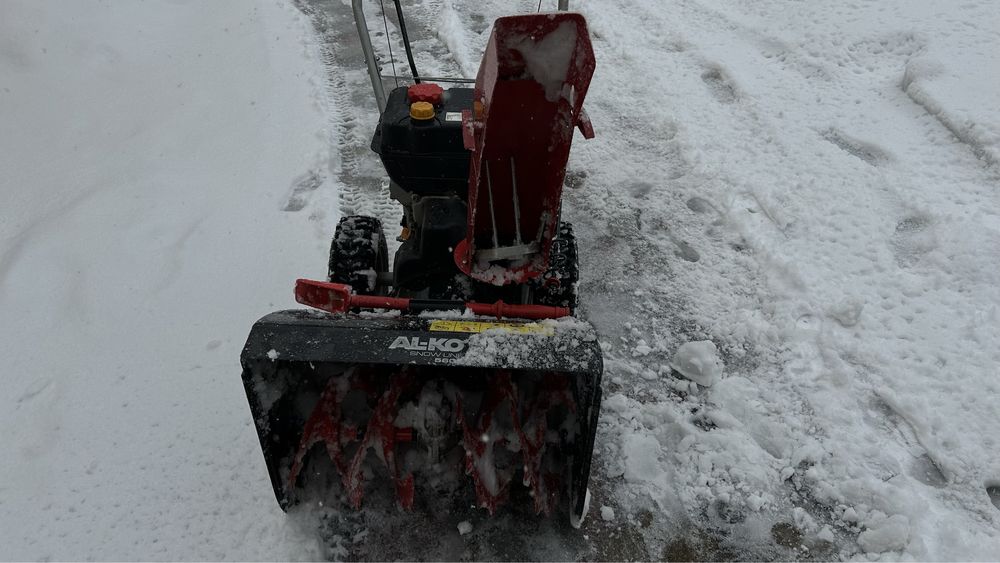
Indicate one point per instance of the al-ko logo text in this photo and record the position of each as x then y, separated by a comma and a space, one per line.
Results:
418, 344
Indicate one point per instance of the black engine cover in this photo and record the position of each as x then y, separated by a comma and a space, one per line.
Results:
425, 157
426, 257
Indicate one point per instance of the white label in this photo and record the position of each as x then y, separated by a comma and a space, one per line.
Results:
453, 116
428, 344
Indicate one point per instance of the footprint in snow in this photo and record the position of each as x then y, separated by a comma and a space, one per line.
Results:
700, 205
686, 252
720, 86
639, 189
867, 152
34, 390
302, 187
924, 469
575, 178
913, 238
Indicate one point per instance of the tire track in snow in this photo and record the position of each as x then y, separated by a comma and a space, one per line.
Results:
968, 134
363, 188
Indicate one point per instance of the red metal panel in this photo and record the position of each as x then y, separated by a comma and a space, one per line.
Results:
528, 98
337, 298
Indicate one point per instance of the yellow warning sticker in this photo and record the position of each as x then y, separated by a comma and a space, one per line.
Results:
442, 325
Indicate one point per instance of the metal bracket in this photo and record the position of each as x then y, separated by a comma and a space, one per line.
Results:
507, 252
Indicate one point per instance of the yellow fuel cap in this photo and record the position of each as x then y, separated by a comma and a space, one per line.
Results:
421, 110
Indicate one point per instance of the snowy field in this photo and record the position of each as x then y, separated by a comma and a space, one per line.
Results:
812, 186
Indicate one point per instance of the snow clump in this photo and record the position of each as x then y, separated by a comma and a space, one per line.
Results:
698, 361
548, 59
891, 535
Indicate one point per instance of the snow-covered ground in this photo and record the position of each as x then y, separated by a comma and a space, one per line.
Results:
816, 194
812, 186
147, 151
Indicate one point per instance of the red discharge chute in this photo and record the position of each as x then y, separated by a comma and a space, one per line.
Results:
528, 99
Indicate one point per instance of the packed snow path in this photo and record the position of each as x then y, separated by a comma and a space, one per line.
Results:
812, 187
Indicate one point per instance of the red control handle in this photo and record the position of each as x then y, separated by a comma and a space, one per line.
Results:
337, 298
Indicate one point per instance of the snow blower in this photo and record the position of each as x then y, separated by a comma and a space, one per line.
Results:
464, 358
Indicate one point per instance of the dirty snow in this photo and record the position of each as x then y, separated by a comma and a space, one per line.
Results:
607, 513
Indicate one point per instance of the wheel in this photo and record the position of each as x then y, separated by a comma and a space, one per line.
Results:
557, 286
358, 254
